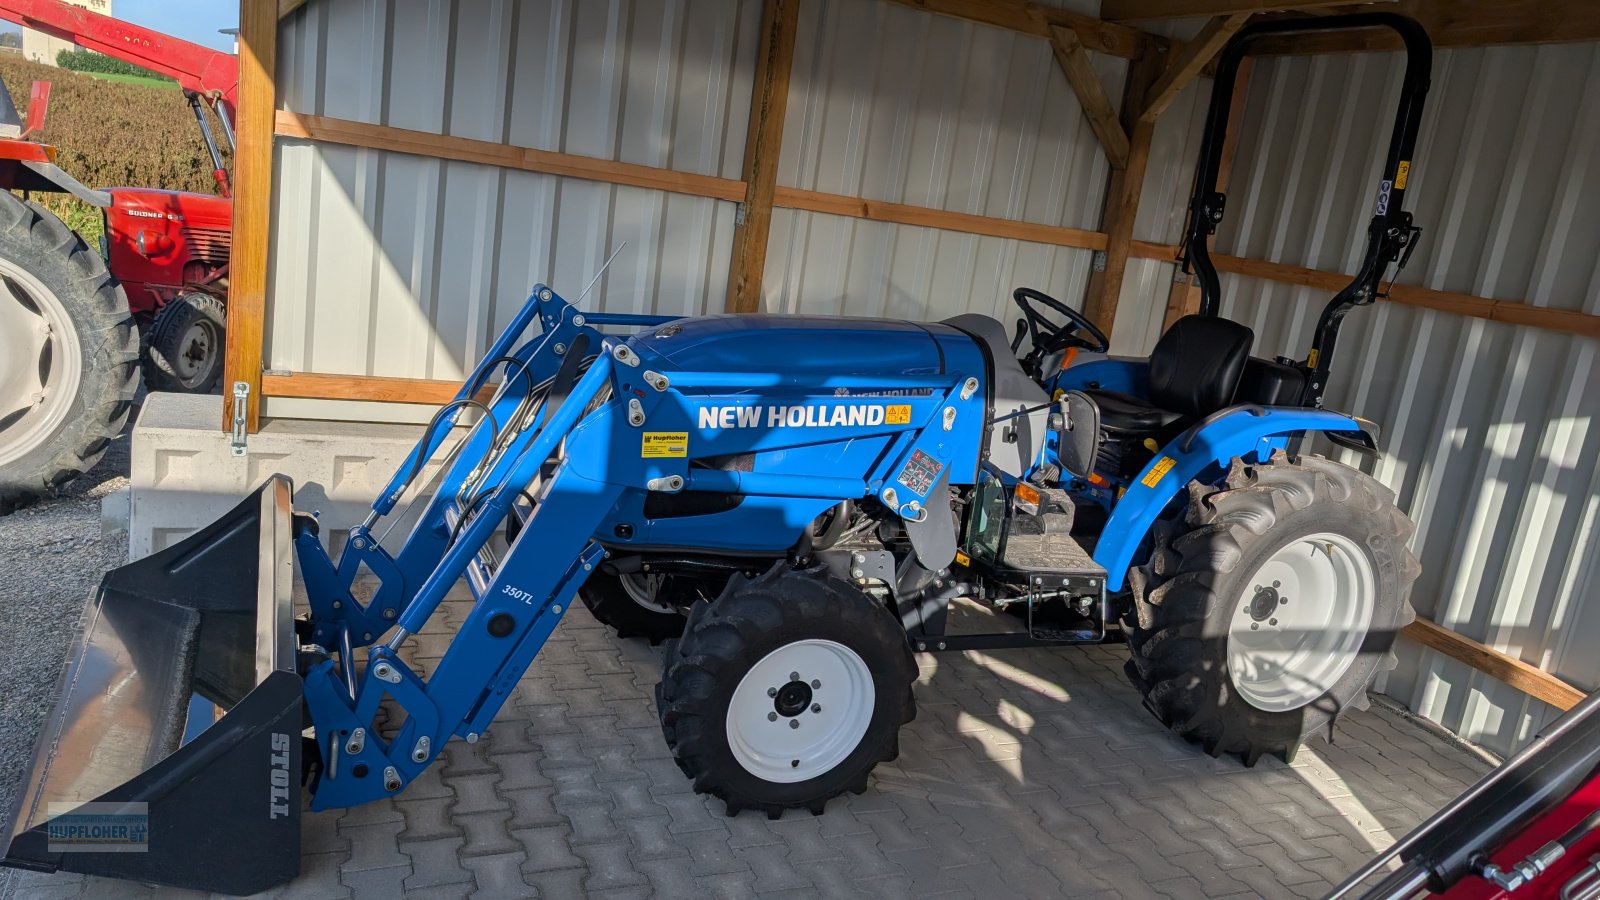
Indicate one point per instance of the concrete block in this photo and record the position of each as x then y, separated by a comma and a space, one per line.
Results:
114, 509
184, 474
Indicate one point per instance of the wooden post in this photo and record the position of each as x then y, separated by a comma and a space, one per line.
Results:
252, 206
1184, 298
769, 99
1122, 196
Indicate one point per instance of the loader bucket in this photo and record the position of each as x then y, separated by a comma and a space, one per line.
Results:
178, 719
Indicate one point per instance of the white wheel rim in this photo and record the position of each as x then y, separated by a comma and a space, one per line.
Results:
1299, 622
41, 363
772, 740
195, 353
644, 589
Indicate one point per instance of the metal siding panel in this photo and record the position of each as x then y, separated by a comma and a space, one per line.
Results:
1491, 430
893, 104
399, 265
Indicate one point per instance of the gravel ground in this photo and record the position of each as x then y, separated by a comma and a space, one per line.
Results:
51, 555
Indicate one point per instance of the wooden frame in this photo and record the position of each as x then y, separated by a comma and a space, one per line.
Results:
1527, 678
1122, 194
252, 207
769, 101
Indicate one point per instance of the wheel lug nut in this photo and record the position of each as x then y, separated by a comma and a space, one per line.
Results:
772, 692
772, 717
1272, 621
816, 707
794, 723
794, 763
794, 676
815, 684
1255, 626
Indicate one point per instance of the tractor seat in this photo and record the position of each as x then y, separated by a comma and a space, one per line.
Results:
1194, 371
1124, 415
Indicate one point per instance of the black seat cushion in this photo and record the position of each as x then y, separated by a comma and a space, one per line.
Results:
1194, 371
1123, 415
1195, 367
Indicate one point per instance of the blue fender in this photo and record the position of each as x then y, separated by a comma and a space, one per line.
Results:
1247, 432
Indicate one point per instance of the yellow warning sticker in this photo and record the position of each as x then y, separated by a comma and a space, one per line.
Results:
898, 414
1401, 173
1158, 471
963, 559
1311, 359
665, 444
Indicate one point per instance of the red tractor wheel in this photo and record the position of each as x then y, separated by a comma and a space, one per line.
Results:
184, 355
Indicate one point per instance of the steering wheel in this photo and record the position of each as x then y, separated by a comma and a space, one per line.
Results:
1047, 336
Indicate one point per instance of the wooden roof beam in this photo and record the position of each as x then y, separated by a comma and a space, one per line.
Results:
1453, 23
1097, 108
1031, 18
1194, 58
1133, 10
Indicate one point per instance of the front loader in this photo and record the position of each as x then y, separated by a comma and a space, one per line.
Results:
816, 497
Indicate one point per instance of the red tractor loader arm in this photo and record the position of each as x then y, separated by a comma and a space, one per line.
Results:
210, 73
204, 74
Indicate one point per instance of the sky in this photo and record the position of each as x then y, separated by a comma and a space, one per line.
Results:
193, 20
196, 21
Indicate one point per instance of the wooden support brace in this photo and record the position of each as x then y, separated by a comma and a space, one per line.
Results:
252, 207
1190, 62
1122, 195
1529, 679
1075, 64
769, 99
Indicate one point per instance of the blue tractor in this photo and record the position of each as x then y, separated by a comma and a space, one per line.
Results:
803, 504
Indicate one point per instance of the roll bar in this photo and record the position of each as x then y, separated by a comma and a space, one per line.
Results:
1391, 236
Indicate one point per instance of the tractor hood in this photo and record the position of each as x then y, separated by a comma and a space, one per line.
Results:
185, 207
803, 345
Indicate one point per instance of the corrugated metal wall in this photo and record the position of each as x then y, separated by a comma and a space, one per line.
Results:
1491, 431
391, 264
893, 104
396, 265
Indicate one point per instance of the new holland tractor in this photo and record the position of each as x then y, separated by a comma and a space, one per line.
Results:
810, 495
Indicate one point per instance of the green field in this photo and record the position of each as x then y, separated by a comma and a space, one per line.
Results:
133, 79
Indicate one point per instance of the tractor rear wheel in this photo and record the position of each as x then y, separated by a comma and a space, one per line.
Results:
1266, 613
68, 354
185, 345
786, 691
639, 604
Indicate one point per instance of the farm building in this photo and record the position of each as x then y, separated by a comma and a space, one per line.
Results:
407, 175
42, 48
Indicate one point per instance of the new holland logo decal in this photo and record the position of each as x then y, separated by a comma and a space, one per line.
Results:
824, 416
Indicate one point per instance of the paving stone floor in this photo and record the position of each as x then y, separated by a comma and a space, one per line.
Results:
1026, 773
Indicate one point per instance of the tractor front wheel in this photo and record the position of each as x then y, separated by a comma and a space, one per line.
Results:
186, 345
786, 691
640, 604
1267, 612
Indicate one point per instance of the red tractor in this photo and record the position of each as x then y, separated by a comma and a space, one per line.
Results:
76, 325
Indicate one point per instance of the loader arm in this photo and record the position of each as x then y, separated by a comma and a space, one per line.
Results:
210, 73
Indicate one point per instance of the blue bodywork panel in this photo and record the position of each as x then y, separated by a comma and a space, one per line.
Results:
721, 434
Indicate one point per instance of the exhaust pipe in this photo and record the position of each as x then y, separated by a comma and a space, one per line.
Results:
173, 752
